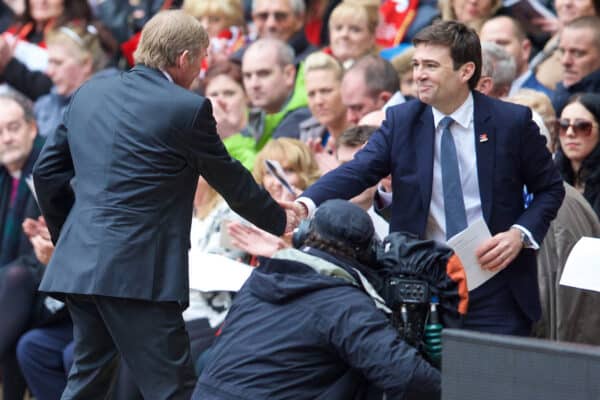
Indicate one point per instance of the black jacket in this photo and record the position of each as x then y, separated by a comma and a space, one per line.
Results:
294, 333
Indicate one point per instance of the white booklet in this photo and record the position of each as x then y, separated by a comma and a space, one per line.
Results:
464, 245
214, 273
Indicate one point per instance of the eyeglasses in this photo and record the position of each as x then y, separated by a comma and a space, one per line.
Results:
279, 16
581, 127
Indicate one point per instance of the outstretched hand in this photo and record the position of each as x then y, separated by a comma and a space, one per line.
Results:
254, 240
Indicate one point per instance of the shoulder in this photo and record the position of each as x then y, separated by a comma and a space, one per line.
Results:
501, 110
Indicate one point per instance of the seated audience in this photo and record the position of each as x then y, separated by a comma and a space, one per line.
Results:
270, 81
20, 272
578, 157
580, 57
304, 326
508, 33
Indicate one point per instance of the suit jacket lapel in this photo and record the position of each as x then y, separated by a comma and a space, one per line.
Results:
485, 144
425, 134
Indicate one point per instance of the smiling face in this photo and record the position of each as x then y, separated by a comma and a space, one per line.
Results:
324, 96
350, 37
577, 146
438, 83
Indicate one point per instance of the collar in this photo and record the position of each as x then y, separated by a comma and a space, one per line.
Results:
167, 75
397, 98
463, 115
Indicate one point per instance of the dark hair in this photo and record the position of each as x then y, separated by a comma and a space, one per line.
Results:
590, 167
355, 136
232, 70
337, 248
72, 10
462, 41
379, 74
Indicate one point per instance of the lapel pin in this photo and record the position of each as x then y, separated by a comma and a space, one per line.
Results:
483, 138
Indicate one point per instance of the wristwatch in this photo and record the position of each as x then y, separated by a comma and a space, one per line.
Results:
525, 240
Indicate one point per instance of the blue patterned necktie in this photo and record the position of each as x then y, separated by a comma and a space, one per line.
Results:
454, 204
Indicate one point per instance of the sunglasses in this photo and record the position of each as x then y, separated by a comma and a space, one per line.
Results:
279, 16
581, 127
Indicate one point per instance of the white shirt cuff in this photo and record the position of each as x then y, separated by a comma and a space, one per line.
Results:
309, 204
385, 197
532, 243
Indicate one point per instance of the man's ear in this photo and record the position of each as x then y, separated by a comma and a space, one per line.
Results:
289, 74
383, 98
526, 49
183, 59
485, 85
467, 70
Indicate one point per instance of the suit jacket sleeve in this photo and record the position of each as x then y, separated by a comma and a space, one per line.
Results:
228, 177
368, 167
542, 179
52, 176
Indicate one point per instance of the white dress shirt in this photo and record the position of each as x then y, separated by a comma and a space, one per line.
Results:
463, 133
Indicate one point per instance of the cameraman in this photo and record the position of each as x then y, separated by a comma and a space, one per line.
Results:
304, 326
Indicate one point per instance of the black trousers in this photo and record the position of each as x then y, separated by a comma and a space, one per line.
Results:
150, 337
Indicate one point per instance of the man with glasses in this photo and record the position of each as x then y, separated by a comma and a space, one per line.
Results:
579, 49
283, 20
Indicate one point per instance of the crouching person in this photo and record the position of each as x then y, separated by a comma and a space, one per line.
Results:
307, 325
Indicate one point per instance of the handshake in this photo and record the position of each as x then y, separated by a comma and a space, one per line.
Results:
294, 212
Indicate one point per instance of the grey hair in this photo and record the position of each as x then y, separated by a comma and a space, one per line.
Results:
22, 101
285, 52
379, 74
498, 64
298, 6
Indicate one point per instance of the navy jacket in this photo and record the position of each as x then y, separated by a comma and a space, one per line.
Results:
510, 154
589, 84
116, 183
293, 333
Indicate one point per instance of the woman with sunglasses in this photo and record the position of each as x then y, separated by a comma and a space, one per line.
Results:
578, 157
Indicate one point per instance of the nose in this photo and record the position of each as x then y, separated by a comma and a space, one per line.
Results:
566, 58
271, 22
352, 116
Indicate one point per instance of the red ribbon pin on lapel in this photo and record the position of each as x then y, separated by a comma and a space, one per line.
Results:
483, 138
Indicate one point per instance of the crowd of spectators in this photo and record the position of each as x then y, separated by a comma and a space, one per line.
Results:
295, 83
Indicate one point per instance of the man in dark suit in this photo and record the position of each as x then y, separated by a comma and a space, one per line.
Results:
457, 156
116, 183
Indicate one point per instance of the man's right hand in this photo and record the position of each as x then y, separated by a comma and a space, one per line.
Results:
294, 213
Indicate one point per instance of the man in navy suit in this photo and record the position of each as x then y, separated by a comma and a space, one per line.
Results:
456, 156
116, 184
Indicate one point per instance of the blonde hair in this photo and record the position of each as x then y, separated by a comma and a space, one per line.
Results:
231, 10
292, 154
321, 61
403, 62
448, 13
167, 35
356, 9
83, 39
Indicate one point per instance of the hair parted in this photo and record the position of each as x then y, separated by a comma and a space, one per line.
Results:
462, 41
498, 64
166, 36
